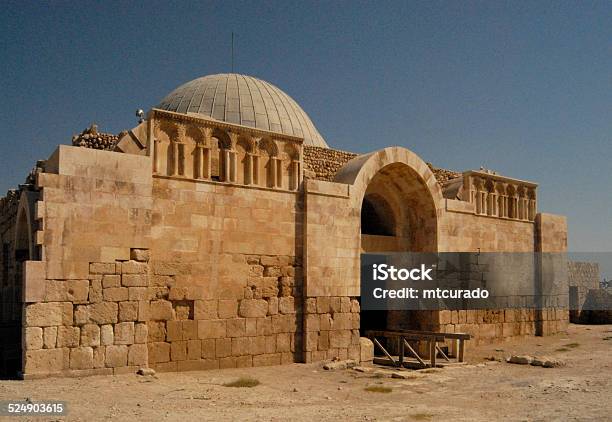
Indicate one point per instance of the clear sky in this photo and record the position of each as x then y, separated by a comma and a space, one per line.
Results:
524, 88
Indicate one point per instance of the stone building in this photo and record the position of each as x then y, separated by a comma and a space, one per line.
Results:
223, 231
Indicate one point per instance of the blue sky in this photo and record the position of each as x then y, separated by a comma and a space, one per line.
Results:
524, 88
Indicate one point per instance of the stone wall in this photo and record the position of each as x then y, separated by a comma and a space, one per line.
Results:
324, 163
255, 322
232, 254
463, 231
96, 325
331, 328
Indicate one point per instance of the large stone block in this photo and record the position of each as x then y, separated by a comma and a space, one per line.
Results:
137, 293
206, 309
138, 355
81, 315
141, 333
161, 310
208, 348
50, 337
128, 311
98, 357
135, 280
140, 255
104, 312
67, 291
178, 350
189, 330
134, 267
107, 336
116, 356
339, 338
228, 308
366, 349
109, 281
95, 290
90, 335
194, 349
286, 305
157, 330
68, 336
236, 327
159, 352
253, 308
101, 268
43, 361
33, 338
267, 359
211, 328
81, 358
48, 314
124, 333
116, 294
34, 280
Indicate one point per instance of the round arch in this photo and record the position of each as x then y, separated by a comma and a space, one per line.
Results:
406, 183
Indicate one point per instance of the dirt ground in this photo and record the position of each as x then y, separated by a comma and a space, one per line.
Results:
480, 391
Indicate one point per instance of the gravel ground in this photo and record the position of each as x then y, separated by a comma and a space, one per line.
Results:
483, 390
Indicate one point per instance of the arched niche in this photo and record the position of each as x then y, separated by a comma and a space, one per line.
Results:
221, 144
244, 151
268, 152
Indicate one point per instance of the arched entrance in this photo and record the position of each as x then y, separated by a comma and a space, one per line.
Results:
400, 204
14, 255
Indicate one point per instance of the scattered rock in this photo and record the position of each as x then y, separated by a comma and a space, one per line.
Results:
295, 390
146, 371
362, 369
341, 364
553, 363
520, 359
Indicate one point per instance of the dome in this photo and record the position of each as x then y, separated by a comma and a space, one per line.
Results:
243, 100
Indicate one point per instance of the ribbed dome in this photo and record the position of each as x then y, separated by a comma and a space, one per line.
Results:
244, 100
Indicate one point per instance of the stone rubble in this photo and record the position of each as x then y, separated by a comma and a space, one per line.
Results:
91, 138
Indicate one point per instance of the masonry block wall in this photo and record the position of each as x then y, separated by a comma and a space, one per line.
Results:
230, 257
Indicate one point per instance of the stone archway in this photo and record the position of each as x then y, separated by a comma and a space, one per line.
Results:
400, 196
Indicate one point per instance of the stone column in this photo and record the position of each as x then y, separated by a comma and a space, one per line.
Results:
226, 165
295, 171
175, 158
248, 177
155, 156
233, 166
272, 172
255, 173
492, 204
279, 173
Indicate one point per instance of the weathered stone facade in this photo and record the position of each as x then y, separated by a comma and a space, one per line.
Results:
199, 243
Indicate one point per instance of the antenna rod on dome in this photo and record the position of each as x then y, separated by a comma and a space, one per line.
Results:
232, 51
